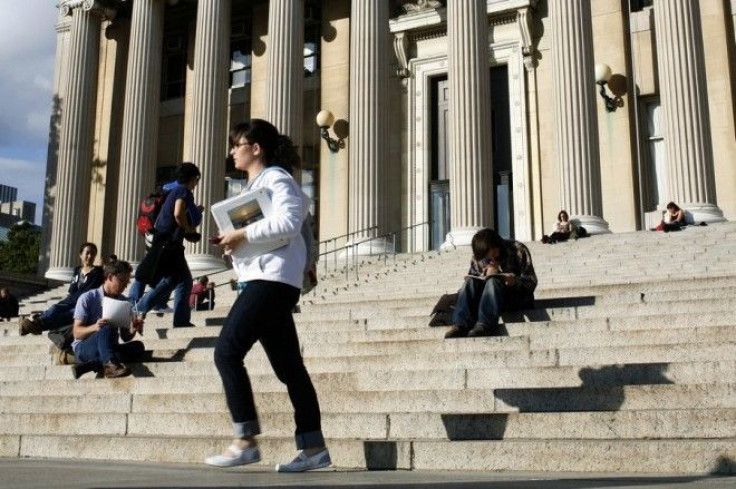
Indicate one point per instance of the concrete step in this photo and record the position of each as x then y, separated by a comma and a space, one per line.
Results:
558, 399
626, 456
631, 425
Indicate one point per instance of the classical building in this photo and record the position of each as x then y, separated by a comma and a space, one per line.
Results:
449, 115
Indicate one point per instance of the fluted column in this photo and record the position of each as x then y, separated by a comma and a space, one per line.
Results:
286, 67
369, 138
77, 138
471, 168
209, 120
140, 122
684, 101
576, 119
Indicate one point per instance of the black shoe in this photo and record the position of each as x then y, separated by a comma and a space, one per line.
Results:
79, 369
457, 332
482, 330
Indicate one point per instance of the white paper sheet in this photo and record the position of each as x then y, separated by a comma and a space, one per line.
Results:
118, 313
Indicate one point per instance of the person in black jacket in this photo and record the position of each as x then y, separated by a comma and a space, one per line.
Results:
8, 305
86, 277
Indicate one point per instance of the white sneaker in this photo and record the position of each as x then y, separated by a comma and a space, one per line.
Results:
303, 462
239, 457
163, 310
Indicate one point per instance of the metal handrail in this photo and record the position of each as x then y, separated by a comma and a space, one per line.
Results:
348, 249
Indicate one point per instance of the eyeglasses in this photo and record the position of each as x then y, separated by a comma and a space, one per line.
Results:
237, 145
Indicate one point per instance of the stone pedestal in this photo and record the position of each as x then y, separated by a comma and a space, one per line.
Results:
684, 101
209, 122
471, 168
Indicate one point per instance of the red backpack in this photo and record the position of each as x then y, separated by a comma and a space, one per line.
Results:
148, 211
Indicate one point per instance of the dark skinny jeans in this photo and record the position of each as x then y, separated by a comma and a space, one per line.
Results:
262, 312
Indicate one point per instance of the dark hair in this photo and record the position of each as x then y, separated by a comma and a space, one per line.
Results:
203, 279
673, 206
563, 211
186, 172
87, 245
484, 241
278, 149
117, 267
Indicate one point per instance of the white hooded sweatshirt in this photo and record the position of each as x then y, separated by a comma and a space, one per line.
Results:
289, 208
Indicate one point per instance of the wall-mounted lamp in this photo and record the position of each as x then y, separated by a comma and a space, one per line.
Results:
325, 120
602, 76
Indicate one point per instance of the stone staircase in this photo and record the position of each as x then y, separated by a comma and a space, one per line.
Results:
627, 363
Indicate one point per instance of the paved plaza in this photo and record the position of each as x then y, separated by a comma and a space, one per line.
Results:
76, 474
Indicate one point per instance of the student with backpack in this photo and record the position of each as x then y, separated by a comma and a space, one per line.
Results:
263, 311
165, 267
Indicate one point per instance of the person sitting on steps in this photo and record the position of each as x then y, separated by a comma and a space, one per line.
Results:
96, 344
501, 278
564, 229
86, 277
8, 305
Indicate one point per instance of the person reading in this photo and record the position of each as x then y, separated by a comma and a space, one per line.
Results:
501, 278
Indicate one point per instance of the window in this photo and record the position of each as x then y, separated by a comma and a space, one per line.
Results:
638, 5
174, 73
656, 173
240, 63
312, 37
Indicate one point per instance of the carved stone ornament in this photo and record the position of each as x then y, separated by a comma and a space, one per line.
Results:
401, 48
101, 7
422, 5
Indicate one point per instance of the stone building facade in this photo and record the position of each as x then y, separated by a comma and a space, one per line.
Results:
453, 115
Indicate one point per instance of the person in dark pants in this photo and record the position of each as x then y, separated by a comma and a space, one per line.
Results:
8, 305
85, 277
96, 344
262, 312
501, 278
174, 224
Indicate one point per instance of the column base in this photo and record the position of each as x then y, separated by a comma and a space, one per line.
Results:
63, 274
709, 213
375, 246
205, 264
459, 237
592, 224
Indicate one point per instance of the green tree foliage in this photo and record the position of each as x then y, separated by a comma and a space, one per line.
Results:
19, 254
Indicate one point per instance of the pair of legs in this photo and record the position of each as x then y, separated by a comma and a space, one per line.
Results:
102, 349
480, 303
54, 318
180, 285
262, 312
556, 237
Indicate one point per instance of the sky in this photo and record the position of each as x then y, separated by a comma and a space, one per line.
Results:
27, 52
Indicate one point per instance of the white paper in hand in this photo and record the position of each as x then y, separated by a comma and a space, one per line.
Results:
118, 313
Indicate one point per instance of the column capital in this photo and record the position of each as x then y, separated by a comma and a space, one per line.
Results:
107, 9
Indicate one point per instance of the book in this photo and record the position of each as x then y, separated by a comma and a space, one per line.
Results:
241, 210
486, 277
118, 313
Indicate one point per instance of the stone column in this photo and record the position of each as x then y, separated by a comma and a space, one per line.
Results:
77, 137
471, 168
209, 121
684, 101
286, 67
50, 191
576, 119
368, 149
140, 123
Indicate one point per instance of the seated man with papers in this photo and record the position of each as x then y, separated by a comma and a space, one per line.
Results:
102, 317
